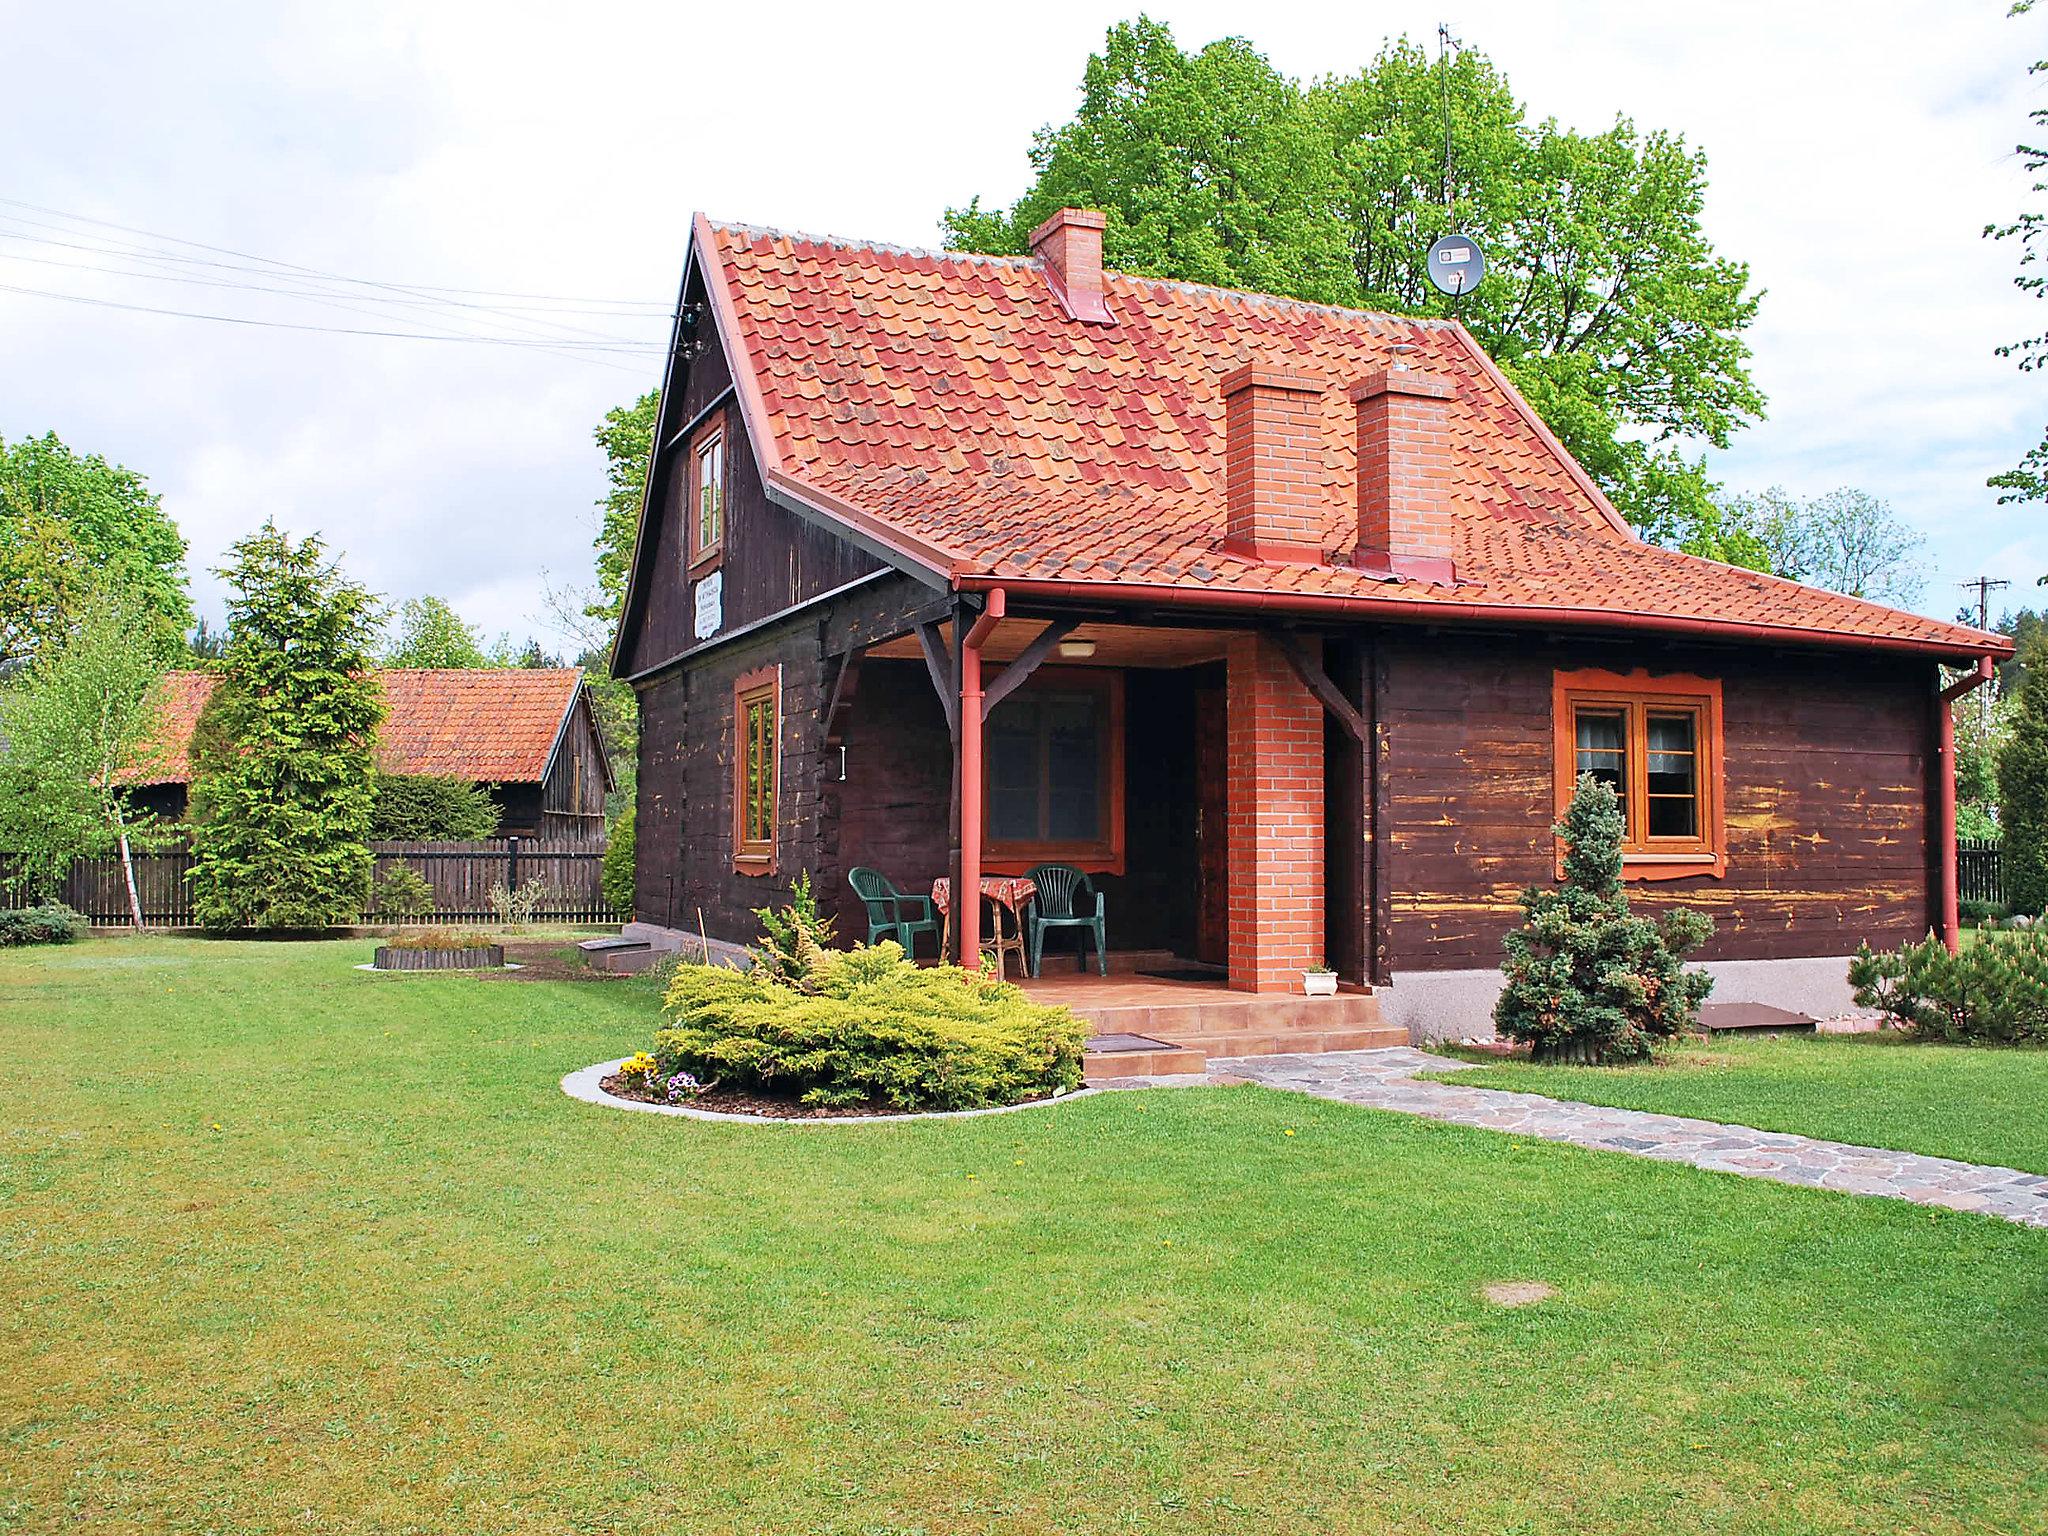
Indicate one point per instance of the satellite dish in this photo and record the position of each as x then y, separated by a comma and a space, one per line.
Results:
1456, 264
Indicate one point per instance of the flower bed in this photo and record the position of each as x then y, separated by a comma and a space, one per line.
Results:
439, 950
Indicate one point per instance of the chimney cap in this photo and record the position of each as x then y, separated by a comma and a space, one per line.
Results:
1401, 381
1271, 376
1062, 218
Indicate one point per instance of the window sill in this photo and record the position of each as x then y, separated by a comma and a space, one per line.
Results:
757, 864
1672, 866
705, 563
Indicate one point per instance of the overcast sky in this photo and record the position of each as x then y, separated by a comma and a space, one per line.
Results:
559, 153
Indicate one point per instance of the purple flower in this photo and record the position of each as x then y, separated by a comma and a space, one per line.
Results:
681, 1086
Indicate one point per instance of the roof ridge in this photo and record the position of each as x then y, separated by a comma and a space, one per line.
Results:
1110, 274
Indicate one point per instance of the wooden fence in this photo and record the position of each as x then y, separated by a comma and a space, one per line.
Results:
461, 875
1980, 870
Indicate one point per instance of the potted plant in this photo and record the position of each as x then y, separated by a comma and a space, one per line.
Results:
1320, 981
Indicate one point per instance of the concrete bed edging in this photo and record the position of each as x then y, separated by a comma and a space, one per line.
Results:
586, 1085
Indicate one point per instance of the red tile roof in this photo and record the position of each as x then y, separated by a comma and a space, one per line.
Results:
947, 406
493, 726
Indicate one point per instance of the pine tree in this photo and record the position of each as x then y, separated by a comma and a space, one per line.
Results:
2023, 797
284, 752
1587, 980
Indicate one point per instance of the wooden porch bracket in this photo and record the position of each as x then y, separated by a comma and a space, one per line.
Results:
1317, 681
1017, 673
839, 703
938, 661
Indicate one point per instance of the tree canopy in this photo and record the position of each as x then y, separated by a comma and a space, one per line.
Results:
283, 754
432, 634
627, 437
68, 520
1846, 540
2028, 480
1606, 302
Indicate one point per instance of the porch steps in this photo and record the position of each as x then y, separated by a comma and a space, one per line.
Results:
1219, 1029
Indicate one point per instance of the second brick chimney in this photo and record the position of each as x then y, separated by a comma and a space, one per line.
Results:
1404, 474
1274, 500
1070, 245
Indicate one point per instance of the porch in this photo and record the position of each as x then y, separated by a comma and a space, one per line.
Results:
1209, 775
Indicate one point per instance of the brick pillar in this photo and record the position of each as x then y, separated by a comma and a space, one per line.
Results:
1275, 735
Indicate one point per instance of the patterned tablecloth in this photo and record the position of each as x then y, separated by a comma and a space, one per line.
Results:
1010, 891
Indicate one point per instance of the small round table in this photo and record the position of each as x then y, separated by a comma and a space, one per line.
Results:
1005, 893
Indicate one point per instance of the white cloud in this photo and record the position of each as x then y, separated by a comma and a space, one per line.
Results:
1854, 160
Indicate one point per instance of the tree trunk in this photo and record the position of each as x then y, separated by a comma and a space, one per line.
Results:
128, 871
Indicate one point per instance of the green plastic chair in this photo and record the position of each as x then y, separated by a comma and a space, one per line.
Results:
886, 907
1066, 899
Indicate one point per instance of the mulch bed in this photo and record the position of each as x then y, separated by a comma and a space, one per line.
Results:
739, 1101
547, 960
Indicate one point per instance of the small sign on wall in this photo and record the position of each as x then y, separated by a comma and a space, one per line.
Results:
710, 594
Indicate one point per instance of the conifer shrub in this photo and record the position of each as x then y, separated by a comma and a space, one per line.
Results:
615, 872
863, 1026
1586, 979
401, 894
431, 808
2023, 798
1991, 992
50, 923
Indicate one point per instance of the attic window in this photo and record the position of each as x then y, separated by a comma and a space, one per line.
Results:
1656, 741
707, 494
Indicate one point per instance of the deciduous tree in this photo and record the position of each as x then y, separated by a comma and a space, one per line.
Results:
76, 725
432, 634
63, 515
1847, 540
1607, 304
2028, 480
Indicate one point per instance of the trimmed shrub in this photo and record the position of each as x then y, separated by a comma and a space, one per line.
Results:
615, 873
839, 1027
1972, 910
2023, 797
50, 923
1586, 979
1992, 991
401, 894
431, 808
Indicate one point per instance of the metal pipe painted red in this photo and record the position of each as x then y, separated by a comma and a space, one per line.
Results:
1945, 798
1400, 610
967, 900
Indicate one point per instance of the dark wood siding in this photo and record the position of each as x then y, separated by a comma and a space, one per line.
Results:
572, 799
684, 821
1828, 767
773, 558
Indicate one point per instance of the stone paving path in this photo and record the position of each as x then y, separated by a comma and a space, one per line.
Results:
1386, 1080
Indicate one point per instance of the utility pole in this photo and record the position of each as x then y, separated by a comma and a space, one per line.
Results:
1985, 586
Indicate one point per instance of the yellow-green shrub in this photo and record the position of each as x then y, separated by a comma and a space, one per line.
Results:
867, 1025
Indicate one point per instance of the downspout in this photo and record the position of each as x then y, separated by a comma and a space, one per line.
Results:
967, 899
1945, 777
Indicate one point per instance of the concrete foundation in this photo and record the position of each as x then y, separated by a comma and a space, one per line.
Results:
1458, 1005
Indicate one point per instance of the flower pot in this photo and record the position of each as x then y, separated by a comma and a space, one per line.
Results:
1319, 983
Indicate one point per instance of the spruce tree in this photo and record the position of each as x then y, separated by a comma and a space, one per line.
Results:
283, 755
2023, 797
1586, 979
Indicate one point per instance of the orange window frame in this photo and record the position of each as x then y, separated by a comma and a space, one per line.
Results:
1105, 854
709, 444
756, 769
1636, 696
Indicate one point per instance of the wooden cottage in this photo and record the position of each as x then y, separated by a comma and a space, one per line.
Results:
528, 733
1290, 625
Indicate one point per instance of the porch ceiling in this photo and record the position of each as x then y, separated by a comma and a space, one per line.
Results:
1116, 645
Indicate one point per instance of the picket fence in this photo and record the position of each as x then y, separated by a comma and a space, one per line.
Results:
461, 875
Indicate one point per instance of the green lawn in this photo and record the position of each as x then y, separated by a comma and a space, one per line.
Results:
289, 1248
1983, 1105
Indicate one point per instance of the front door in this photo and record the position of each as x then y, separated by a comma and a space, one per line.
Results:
1212, 832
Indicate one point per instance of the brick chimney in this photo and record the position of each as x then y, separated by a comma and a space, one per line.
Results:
1275, 502
1070, 245
1404, 473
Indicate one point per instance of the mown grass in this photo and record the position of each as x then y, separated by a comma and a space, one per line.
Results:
288, 1247
1982, 1105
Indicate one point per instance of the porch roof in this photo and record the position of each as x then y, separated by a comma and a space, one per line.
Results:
948, 408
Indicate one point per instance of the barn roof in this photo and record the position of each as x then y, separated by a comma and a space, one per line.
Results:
490, 725
947, 409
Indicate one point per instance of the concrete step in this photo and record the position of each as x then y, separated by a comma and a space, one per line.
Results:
1289, 1042
1220, 1014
